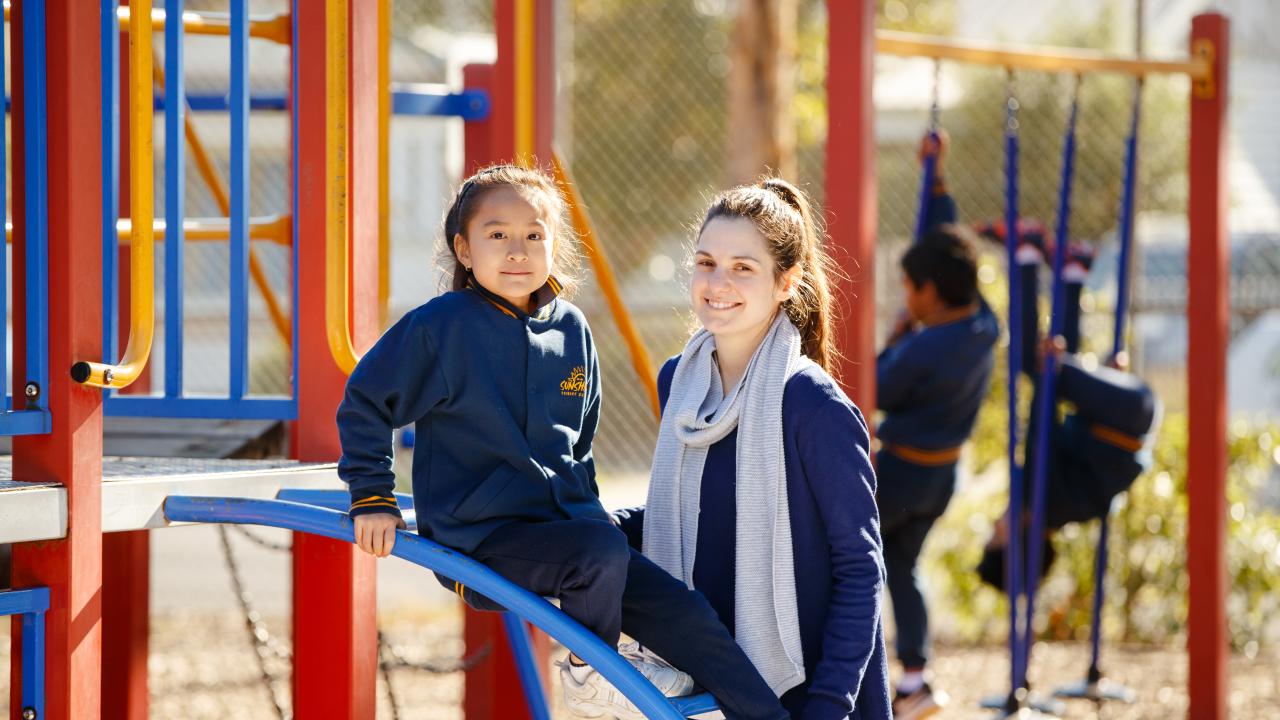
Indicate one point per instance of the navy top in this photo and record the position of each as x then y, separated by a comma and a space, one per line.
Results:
835, 536
931, 382
505, 406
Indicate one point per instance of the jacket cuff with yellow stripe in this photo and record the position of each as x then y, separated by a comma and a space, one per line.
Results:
369, 502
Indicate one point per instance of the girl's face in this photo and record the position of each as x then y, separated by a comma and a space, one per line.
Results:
733, 290
509, 244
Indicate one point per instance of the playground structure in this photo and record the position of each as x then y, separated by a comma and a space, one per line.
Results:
80, 522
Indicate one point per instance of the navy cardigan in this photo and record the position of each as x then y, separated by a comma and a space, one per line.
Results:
835, 536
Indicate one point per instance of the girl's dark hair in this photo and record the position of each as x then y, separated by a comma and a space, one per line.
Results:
537, 185
946, 258
781, 212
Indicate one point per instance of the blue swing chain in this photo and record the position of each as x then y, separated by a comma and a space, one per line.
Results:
1013, 554
930, 161
1046, 405
1128, 200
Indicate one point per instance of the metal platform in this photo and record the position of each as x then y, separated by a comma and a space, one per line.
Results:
134, 489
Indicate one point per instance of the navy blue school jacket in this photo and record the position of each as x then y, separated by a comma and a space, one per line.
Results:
835, 540
504, 404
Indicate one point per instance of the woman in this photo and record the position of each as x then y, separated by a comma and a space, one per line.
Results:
762, 495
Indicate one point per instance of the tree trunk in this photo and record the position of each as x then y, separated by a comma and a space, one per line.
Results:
761, 135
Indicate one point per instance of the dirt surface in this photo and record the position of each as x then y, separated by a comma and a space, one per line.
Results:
203, 667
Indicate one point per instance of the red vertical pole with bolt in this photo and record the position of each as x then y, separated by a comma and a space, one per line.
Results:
1207, 337
520, 127
851, 189
334, 584
72, 453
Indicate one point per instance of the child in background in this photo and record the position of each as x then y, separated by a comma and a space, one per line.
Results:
931, 378
501, 381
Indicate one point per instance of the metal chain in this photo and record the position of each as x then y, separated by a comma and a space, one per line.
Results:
263, 643
260, 541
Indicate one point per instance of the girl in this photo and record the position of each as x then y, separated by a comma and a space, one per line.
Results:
762, 495
501, 380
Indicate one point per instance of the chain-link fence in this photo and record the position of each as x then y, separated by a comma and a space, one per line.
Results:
642, 118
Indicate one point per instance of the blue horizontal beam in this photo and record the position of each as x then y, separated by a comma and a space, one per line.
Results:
26, 600
257, 408
469, 104
433, 556
25, 422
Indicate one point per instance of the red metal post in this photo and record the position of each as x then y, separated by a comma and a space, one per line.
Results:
72, 453
1207, 337
334, 584
851, 189
126, 610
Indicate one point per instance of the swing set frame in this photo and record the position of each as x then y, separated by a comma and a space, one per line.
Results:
850, 186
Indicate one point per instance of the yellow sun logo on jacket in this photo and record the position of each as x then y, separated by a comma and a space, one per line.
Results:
576, 384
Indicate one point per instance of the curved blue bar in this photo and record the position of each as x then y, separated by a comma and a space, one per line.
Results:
433, 556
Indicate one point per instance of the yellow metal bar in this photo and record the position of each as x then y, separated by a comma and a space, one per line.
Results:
267, 27
1046, 59
384, 161
271, 228
142, 312
337, 251
526, 108
218, 187
640, 359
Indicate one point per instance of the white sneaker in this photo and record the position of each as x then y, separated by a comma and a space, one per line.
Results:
596, 697
669, 681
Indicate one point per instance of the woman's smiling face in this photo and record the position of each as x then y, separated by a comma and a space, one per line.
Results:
733, 290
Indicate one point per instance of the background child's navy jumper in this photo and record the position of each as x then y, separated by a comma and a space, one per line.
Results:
930, 384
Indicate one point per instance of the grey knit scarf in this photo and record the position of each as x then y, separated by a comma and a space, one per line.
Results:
697, 416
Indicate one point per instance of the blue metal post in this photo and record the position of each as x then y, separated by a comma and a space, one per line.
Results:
37, 199
31, 604
110, 177
239, 329
33, 638
526, 666
174, 199
175, 188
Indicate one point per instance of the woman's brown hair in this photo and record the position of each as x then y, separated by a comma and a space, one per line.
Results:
539, 186
781, 212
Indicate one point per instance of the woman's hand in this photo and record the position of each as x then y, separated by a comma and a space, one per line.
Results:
376, 532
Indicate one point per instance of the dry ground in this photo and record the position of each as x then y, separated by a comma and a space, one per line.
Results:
203, 667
